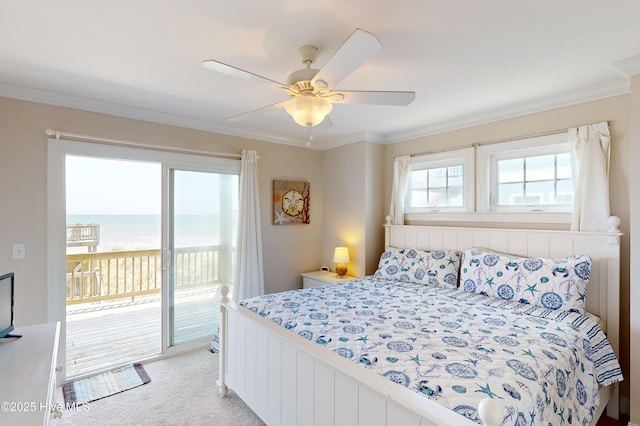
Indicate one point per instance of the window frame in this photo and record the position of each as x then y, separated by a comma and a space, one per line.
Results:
477, 206
488, 156
464, 157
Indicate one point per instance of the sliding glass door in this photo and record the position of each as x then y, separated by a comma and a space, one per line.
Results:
112, 262
203, 207
162, 265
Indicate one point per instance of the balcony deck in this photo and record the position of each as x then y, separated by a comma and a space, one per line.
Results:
103, 334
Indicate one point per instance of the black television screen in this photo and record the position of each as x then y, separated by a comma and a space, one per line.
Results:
6, 304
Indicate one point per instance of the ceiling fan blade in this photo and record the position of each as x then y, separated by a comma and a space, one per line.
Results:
262, 110
377, 97
360, 46
226, 69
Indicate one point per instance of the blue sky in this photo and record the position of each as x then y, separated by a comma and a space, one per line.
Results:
102, 186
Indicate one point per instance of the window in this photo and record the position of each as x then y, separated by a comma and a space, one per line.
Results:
440, 186
526, 175
442, 182
538, 180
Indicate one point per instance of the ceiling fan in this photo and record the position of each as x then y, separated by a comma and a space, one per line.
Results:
310, 89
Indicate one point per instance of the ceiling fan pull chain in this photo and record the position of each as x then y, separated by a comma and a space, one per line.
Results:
309, 135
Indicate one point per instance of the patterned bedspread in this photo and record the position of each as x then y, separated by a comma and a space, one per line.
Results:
457, 348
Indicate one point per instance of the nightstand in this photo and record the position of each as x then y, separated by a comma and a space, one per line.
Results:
318, 278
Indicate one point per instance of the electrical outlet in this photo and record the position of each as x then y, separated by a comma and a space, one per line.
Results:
18, 251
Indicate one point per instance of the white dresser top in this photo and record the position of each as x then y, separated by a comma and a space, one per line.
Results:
26, 365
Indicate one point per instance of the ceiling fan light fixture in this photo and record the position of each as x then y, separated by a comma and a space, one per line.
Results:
310, 90
308, 110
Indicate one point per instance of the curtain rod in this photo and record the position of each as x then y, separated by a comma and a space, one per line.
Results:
473, 145
72, 136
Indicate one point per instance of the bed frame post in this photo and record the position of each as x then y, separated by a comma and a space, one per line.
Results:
222, 387
613, 307
387, 232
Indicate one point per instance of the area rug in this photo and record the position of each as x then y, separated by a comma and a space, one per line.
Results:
105, 384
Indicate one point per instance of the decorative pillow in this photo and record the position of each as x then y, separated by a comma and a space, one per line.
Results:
439, 268
552, 283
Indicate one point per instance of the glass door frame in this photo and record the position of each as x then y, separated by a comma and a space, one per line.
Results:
57, 150
168, 173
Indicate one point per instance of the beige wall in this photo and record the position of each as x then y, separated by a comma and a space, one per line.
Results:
353, 212
613, 109
375, 207
23, 192
344, 212
634, 297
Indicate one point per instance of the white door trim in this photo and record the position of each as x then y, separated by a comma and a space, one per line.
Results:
57, 150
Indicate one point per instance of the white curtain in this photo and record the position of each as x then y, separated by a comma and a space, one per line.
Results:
401, 171
249, 279
590, 151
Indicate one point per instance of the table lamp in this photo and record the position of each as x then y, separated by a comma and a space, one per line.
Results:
341, 257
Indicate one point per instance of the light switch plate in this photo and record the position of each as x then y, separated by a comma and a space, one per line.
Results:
18, 251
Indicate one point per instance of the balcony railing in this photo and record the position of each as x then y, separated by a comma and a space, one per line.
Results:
94, 277
83, 234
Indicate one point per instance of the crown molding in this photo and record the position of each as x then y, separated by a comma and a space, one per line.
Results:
92, 105
605, 90
629, 66
109, 108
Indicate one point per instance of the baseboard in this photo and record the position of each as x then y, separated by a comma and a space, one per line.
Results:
624, 408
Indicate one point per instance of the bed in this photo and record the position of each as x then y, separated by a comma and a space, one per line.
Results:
293, 371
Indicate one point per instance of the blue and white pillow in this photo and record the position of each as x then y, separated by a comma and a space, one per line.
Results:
438, 268
552, 283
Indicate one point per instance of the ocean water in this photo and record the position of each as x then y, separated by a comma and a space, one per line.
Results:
136, 232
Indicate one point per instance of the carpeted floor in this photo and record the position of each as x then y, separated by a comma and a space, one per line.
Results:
182, 392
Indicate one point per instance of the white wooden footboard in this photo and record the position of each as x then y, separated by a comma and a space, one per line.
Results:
288, 380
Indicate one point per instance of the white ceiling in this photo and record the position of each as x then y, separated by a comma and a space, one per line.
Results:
468, 61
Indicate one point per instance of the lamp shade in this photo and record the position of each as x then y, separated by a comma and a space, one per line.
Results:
308, 110
341, 255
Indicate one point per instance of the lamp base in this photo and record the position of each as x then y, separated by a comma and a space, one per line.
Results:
341, 269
